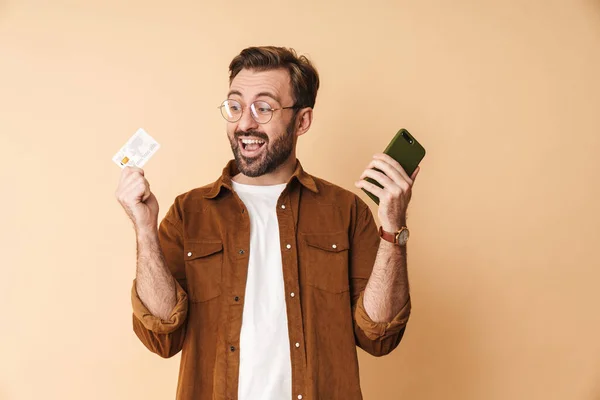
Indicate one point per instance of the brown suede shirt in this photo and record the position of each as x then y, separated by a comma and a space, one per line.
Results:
329, 241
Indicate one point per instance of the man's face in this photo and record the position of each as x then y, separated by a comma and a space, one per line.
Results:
261, 148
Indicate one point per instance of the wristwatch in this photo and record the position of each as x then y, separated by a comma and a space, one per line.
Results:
399, 238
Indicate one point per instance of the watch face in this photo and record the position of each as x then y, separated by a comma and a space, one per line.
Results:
403, 237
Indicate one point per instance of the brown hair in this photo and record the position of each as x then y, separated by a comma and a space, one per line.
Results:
303, 75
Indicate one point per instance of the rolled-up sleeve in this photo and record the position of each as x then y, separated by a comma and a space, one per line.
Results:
155, 324
376, 338
165, 337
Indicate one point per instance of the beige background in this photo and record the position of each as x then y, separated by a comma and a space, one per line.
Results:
505, 96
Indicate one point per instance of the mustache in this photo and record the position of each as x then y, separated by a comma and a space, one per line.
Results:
256, 134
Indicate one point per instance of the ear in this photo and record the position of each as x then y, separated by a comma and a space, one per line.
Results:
303, 120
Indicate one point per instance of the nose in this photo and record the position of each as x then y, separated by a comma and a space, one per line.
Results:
247, 123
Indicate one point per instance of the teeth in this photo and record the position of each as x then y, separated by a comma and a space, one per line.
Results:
252, 141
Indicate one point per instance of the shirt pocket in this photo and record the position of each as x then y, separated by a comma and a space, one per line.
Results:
327, 261
203, 268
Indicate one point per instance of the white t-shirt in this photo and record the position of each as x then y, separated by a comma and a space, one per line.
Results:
265, 361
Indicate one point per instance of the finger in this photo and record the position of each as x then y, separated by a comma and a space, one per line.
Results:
380, 177
369, 187
127, 170
134, 178
135, 169
395, 164
146, 191
127, 186
388, 170
414, 175
135, 181
392, 173
388, 159
134, 193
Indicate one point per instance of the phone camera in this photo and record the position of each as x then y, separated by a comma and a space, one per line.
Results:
407, 137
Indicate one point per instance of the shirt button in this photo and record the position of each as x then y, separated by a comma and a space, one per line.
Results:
297, 344
283, 206
232, 348
236, 298
241, 251
334, 246
292, 294
299, 397
189, 254
289, 246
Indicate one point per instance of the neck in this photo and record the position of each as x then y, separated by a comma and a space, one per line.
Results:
282, 174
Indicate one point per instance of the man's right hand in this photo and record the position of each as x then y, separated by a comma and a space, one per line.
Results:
155, 284
137, 200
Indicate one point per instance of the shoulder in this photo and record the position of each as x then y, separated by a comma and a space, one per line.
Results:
190, 201
329, 192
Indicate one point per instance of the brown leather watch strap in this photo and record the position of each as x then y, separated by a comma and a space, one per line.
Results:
387, 236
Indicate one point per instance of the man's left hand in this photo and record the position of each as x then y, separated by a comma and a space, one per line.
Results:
396, 192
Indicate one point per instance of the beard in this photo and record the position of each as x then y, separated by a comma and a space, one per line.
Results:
274, 154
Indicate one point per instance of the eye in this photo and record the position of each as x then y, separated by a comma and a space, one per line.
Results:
232, 106
263, 107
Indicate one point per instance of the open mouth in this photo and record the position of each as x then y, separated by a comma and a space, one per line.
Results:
251, 147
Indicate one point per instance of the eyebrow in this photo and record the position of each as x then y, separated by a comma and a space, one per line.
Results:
261, 94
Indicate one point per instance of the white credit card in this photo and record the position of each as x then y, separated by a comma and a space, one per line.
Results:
137, 151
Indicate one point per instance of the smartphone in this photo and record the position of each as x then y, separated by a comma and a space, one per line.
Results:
405, 149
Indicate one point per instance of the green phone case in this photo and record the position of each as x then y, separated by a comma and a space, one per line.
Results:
405, 149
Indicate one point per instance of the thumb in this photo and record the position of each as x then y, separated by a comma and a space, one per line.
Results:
146, 193
415, 173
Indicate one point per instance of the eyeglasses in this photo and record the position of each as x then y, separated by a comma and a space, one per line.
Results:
261, 111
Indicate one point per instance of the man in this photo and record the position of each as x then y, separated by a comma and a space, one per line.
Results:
268, 278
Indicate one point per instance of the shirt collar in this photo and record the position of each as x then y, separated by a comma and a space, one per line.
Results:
231, 170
